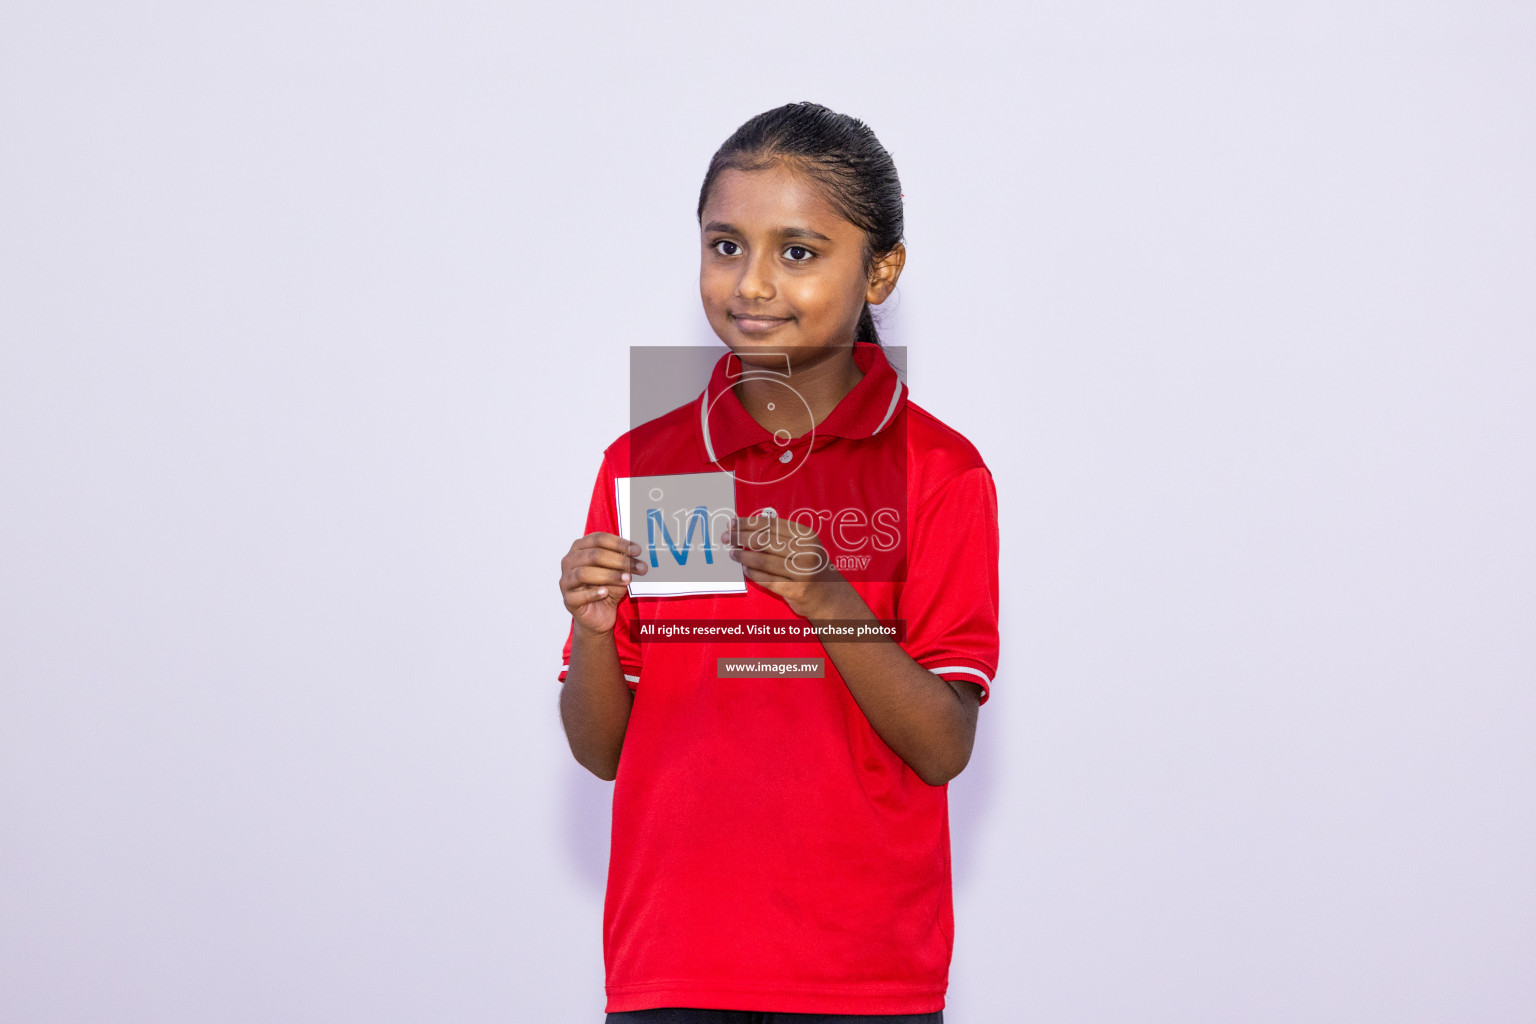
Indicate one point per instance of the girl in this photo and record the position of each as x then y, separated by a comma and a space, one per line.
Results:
781, 845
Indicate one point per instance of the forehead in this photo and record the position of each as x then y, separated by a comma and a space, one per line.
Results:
775, 197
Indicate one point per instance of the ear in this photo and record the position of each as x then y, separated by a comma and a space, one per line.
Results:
883, 275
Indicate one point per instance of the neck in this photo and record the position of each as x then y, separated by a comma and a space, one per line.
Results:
822, 381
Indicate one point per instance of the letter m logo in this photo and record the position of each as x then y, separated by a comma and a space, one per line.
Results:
697, 517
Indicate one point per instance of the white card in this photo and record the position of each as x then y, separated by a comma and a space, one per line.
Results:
678, 520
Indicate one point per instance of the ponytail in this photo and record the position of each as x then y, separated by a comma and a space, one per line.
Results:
866, 329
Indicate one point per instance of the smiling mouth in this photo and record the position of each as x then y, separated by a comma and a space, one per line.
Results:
757, 324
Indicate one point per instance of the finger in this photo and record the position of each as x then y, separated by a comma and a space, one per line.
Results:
578, 576
597, 576
608, 559
760, 532
602, 558
607, 541
777, 525
583, 596
790, 565
759, 561
767, 581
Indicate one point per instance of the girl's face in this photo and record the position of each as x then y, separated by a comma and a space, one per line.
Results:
782, 269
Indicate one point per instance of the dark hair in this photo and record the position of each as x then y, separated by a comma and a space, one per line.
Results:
841, 154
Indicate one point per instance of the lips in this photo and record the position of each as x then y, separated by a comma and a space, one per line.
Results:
757, 323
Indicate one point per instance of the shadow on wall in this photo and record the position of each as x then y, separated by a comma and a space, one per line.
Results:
970, 796
588, 823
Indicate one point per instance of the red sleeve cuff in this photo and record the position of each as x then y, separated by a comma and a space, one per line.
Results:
631, 673
963, 670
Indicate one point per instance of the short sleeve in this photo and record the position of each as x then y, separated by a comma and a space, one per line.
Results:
602, 515
949, 601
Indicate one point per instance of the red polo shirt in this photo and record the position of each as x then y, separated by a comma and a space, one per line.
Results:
770, 852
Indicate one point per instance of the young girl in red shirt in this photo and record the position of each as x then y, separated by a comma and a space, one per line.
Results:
780, 846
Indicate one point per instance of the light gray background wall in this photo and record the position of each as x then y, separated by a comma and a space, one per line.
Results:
315, 320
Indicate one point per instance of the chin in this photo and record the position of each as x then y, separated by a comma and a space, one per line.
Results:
759, 356
766, 354
748, 342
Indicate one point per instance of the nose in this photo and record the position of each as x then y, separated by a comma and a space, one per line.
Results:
756, 280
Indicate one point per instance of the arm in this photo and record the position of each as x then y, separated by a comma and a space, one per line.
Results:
596, 699
928, 721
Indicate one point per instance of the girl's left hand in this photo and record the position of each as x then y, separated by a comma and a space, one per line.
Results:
786, 558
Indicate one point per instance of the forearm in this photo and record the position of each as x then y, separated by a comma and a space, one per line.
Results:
919, 715
595, 703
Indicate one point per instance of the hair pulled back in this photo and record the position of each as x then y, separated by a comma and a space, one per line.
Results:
842, 155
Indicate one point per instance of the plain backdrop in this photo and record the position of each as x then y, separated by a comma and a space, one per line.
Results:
315, 319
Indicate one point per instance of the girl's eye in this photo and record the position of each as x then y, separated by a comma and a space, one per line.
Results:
726, 247
798, 253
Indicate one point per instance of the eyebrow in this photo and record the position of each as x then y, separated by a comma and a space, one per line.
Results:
731, 229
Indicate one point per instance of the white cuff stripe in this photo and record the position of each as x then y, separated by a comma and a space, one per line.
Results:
978, 673
633, 679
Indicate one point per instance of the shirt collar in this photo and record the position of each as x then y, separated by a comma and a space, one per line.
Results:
726, 427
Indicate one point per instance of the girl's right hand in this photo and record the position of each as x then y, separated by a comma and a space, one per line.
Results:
593, 578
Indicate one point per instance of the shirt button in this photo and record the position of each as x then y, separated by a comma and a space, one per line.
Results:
785, 457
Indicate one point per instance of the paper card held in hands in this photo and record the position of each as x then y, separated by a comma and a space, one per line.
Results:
678, 520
